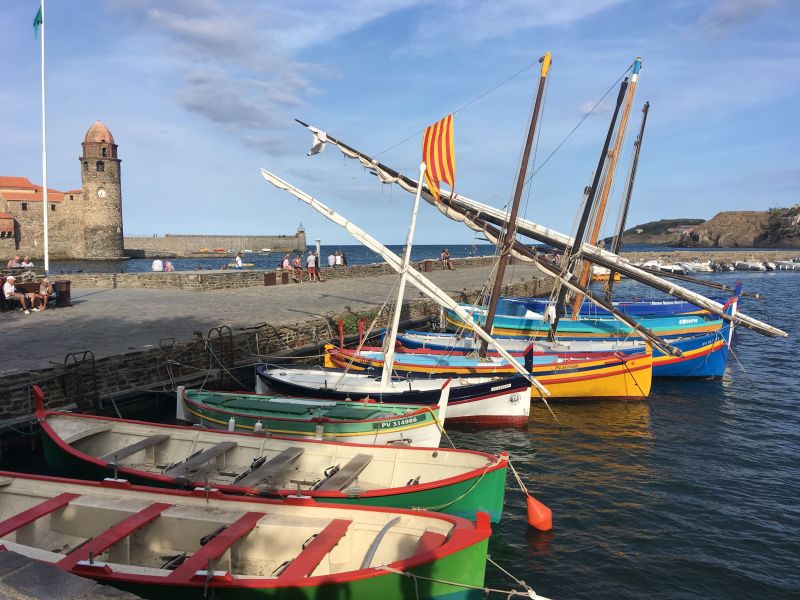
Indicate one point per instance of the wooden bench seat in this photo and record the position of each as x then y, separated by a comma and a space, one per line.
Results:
132, 449
275, 465
347, 474
194, 463
303, 564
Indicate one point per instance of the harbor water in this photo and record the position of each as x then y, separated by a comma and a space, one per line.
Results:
692, 494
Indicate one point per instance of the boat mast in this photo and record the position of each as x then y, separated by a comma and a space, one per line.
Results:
391, 339
573, 251
511, 228
586, 271
616, 241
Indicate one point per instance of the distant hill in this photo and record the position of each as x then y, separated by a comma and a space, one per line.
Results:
663, 232
775, 228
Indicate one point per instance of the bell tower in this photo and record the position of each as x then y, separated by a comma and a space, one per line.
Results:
102, 194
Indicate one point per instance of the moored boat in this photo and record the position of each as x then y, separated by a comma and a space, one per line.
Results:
610, 375
458, 482
491, 400
194, 544
353, 422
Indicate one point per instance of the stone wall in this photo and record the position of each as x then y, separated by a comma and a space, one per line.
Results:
190, 245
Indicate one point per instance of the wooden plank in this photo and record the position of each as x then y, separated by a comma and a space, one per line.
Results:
35, 512
85, 433
274, 465
215, 547
347, 474
132, 449
430, 540
113, 534
304, 563
201, 459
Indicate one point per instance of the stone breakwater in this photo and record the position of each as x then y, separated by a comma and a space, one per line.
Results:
673, 256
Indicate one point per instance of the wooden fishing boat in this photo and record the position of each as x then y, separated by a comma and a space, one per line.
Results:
638, 308
612, 375
601, 274
495, 400
307, 418
200, 544
458, 482
535, 326
704, 355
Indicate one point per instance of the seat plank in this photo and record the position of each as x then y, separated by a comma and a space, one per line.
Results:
274, 465
303, 564
347, 474
206, 456
132, 449
35, 512
113, 534
216, 546
85, 433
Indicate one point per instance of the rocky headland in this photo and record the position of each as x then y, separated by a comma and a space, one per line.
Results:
775, 228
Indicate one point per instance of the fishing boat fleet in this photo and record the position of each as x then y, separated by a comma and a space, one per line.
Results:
328, 480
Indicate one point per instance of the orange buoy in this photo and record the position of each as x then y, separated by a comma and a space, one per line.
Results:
539, 516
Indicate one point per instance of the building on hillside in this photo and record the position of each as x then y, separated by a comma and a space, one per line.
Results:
82, 224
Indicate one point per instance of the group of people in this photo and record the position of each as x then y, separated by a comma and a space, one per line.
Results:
162, 265
295, 266
337, 259
28, 301
16, 262
445, 258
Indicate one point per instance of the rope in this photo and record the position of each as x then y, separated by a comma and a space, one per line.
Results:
464, 106
518, 478
439, 507
528, 593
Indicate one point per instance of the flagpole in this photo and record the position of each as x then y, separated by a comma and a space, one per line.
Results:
45, 204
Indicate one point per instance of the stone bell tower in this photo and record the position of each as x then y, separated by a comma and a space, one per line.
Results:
102, 194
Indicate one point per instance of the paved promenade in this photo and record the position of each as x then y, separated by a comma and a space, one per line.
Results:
112, 321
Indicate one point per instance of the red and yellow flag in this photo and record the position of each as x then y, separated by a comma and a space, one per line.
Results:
439, 155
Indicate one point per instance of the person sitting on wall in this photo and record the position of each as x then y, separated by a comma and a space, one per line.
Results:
168, 266
14, 263
46, 293
239, 263
331, 260
14, 295
27, 262
338, 259
286, 265
158, 265
445, 258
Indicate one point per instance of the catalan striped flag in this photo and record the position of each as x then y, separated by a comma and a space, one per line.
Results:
439, 155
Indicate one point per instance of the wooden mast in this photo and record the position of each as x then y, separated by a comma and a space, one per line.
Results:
571, 252
586, 270
511, 229
616, 241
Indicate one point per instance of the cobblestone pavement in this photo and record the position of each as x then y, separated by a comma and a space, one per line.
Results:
112, 321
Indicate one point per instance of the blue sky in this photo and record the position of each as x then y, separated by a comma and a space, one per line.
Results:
201, 93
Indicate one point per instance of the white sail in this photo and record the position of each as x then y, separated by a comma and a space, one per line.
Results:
422, 283
539, 232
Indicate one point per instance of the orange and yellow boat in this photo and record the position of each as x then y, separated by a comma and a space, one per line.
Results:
612, 375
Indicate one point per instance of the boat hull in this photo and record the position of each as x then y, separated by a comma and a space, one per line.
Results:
704, 355
536, 328
420, 428
497, 401
478, 490
109, 515
615, 376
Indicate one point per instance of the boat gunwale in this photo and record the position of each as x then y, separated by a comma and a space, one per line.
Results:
494, 462
463, 535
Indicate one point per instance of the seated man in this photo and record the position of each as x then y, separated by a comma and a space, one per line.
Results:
12, 294
46, 293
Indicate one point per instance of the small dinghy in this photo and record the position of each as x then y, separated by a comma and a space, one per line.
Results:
459, 482
363, 422
201, 544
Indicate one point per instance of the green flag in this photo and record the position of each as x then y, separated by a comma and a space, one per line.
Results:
37, 20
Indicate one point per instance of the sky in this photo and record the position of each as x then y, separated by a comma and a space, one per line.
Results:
199, 94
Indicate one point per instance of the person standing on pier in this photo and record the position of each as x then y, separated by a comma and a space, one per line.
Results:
311, 266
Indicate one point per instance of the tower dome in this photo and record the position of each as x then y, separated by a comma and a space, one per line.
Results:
98, 134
